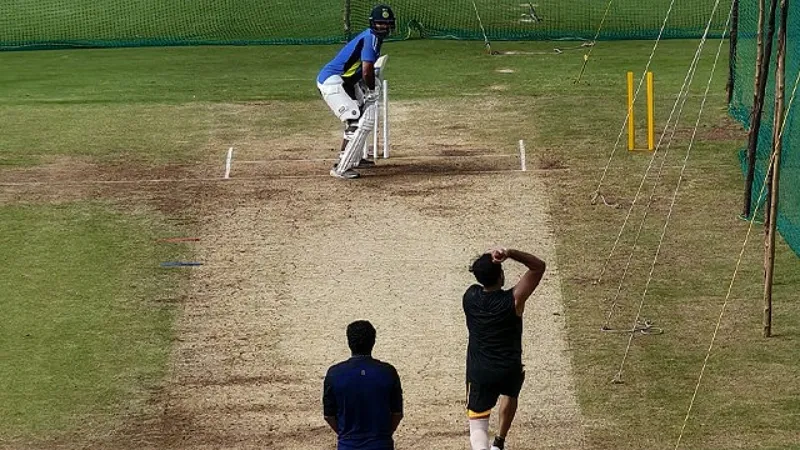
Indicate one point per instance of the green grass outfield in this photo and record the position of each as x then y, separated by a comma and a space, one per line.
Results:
154, 106
87, 316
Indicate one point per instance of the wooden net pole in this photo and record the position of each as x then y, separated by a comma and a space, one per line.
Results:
775, 168
763, 58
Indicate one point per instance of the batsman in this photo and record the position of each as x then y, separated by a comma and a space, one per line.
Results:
347, 84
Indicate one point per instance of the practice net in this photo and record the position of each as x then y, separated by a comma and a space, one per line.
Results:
32, 24
744, 75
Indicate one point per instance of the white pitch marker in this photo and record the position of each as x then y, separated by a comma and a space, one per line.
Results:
522, 162
228, 163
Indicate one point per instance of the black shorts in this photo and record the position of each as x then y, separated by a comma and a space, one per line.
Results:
482, 397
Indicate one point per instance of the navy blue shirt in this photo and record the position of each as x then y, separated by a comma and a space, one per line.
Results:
363, 393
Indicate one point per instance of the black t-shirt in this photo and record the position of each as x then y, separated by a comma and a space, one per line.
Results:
495, 335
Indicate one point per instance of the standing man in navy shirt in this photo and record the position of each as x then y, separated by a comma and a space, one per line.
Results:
362, 397
347, 84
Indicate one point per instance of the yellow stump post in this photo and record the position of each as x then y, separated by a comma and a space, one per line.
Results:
651, 141
631, 130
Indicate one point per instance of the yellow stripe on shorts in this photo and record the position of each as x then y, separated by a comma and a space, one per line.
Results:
475, 415
478, 415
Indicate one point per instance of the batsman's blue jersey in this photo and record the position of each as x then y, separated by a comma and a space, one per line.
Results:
366, 47
363, 394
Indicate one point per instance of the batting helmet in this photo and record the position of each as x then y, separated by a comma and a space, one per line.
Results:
382, 14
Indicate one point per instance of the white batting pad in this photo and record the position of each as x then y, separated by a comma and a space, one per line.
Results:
380, 66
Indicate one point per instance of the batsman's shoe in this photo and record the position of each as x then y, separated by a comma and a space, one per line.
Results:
348, 174
365, 163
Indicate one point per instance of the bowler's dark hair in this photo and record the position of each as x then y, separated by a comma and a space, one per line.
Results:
361, 337
486, 271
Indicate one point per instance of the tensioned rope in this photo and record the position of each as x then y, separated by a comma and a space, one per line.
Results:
488, 45
612, 308
483, 30
594, 41
684, 92
596, 193
761, 198
682, 97
618, 377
